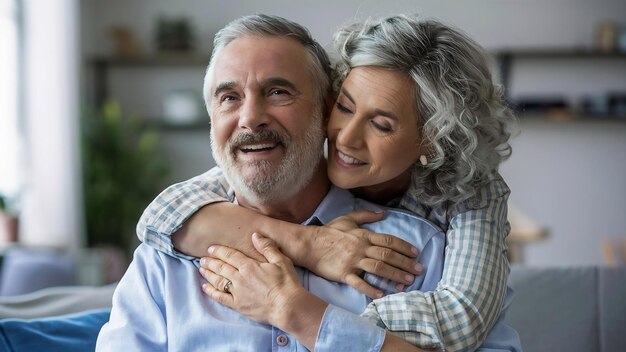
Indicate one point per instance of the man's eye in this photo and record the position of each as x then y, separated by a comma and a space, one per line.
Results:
278, 92
343, 108
227, 97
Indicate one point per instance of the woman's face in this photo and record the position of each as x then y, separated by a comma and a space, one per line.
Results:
373, 134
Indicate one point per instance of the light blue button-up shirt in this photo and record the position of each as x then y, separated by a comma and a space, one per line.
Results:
159, 304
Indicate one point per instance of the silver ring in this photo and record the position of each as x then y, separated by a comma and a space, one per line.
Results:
227, 286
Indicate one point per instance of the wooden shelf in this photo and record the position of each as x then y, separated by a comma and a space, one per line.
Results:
202, 125
570, 116
572, 53
506, 57
163, 60
102, 64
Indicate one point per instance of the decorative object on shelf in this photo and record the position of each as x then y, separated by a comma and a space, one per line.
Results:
524, 230
174, 35
8, 222
123, 170
181, 107
621, 39
601, 104
124, 42
607, 37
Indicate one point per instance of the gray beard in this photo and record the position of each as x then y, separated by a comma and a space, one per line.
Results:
271, 183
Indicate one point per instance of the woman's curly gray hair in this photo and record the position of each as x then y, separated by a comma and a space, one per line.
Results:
464, 121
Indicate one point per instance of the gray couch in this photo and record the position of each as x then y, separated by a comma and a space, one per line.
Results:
554, 309
569, 309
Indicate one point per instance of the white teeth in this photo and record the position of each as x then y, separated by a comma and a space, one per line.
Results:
348, 159
259, 146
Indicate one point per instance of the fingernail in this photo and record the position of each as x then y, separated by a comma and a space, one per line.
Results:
399, 287
379, 294
408, 278
256, 235
419, 267
204, 286
202, 271
203, 261
414, 250
379, 211
211, 250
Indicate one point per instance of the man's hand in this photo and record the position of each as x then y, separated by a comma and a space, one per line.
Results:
266, 291
341, 251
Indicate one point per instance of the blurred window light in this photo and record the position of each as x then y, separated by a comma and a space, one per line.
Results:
9, 99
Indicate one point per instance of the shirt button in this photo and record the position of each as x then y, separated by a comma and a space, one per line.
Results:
282, 340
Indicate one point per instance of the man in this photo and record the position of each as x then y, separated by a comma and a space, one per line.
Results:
266, 121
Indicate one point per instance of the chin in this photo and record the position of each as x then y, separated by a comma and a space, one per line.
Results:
341, 182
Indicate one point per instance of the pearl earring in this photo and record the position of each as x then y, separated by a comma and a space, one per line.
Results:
423, 160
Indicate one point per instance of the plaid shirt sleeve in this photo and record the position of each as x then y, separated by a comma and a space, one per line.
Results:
460, 312
170, 209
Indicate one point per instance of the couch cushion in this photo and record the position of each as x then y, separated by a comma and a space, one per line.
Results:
64, 333
555, 309
612, 306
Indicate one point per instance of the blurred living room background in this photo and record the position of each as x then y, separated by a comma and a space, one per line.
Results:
101, 109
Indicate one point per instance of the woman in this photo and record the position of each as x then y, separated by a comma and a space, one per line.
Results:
418, 125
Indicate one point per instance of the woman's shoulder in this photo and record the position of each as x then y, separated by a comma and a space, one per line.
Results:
493, 192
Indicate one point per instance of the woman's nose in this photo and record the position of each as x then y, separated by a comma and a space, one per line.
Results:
351, 134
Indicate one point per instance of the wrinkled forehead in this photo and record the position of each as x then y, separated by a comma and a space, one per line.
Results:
256, 58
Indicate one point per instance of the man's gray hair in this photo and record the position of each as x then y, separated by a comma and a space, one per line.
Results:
464, 122
269, 25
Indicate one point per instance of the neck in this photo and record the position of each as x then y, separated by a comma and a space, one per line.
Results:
299, 207
384, 192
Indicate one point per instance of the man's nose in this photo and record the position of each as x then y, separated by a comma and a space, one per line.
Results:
351, 134
253, 115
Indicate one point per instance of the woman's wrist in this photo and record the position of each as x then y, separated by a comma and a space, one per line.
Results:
294, 240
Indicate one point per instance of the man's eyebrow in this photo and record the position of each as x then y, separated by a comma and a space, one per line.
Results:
224, 86
281, 82
379, 112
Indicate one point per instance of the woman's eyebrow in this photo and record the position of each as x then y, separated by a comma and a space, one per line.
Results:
347, 94
376, 111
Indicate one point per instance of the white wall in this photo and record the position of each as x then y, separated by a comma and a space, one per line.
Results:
51, 213
569, 176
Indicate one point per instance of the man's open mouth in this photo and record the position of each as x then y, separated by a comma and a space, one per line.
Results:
258, 147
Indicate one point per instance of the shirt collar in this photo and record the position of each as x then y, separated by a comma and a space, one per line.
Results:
337, 202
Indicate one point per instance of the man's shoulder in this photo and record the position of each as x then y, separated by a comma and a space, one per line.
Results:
147, 259
405, 220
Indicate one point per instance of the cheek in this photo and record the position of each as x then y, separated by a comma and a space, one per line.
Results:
333, 127
394, 155
221, 128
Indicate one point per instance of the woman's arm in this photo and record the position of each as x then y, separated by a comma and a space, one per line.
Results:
340, 251
188, 217
468, 300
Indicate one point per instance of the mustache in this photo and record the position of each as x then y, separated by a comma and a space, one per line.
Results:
262, 136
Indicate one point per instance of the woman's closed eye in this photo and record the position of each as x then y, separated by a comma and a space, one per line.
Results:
382, 126
343, 109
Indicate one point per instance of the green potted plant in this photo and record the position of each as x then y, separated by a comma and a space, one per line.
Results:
123, 170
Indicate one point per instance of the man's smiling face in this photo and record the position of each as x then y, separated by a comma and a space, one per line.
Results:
267, 131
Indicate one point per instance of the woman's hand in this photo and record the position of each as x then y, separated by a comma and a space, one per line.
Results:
266, 292
341, 251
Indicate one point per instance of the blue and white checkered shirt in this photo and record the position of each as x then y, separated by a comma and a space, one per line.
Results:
456, 316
